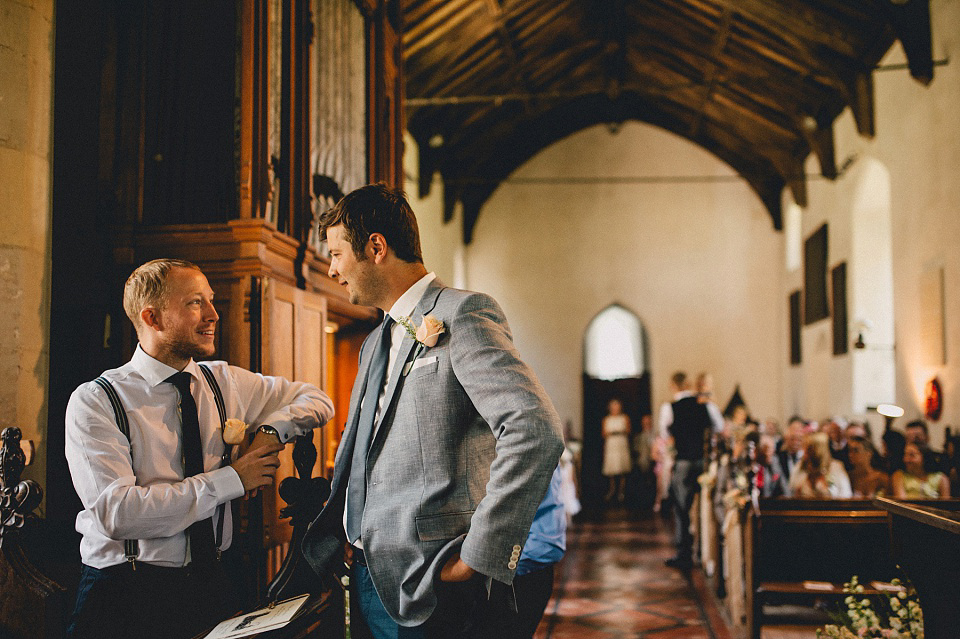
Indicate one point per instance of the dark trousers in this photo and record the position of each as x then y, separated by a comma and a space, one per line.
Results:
683, 489
532, 592
151, 602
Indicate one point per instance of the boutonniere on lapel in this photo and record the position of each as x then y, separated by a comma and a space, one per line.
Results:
234, 430
426, 336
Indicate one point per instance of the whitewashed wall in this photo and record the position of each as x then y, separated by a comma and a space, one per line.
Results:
698, 262
917, 145
707, 274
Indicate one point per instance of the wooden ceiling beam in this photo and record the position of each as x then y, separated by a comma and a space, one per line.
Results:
615, 46
911, 23
861, 101
502, 79
712, 72
437, 24
819, 134
507, 49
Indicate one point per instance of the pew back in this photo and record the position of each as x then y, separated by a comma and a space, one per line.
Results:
810, 547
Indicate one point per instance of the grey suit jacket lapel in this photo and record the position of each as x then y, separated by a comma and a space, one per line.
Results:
427, 302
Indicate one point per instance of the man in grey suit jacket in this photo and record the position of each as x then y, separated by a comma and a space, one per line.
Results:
437, 494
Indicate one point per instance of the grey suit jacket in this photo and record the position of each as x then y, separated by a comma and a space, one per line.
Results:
462, 456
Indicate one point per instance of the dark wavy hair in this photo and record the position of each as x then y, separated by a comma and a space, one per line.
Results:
376, 208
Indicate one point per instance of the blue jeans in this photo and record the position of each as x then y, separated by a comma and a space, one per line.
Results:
374, 614
459, 613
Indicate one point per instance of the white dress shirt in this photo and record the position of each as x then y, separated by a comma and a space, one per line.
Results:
403, 307
136, 489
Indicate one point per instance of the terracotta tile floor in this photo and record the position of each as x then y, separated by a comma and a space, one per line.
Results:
613, 585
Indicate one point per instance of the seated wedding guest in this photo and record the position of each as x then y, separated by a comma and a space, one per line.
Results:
865, 479
951, 454
791, 450
916, 433
919, 478
766, 473
148, 446
893, 445
819, 475
771, 428
857, 429
835, 428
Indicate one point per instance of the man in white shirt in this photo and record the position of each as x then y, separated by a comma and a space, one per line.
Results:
146, 450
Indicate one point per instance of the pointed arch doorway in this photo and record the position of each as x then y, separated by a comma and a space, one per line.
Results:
615, 365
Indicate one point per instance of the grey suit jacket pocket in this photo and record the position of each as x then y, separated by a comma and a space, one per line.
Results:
422, 366
443, 526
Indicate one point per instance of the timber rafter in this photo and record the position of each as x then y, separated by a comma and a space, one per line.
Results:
757, 83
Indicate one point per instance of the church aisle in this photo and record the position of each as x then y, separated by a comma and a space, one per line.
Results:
613, 584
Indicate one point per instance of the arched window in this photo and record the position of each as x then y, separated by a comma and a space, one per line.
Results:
613, 345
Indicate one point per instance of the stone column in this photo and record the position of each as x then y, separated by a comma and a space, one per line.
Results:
26, 125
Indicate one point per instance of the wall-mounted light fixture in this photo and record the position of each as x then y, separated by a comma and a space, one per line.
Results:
890, 412
861, 326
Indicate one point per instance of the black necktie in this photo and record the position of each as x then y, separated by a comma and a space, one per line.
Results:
202, 547
357, 486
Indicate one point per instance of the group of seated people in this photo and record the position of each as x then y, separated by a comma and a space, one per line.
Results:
833, 459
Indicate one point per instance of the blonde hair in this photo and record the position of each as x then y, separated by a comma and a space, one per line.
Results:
147, 286
817, 457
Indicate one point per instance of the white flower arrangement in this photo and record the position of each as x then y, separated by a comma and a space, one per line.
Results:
903, 617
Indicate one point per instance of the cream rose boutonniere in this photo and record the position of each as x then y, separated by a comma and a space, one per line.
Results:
426, 335
233, 431
429, 332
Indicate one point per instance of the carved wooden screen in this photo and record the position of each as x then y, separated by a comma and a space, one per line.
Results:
294, 347
338, 144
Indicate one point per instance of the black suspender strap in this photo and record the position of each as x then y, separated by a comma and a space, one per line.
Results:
131, 548
225, 459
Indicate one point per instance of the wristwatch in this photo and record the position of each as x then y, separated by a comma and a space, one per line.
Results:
270, 430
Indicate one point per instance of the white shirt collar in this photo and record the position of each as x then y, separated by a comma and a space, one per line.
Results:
153, 370
407, 302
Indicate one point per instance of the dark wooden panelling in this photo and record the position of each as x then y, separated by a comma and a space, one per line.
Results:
838, 287
815, 304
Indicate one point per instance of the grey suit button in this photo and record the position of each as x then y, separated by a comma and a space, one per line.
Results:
517, 548
512, 565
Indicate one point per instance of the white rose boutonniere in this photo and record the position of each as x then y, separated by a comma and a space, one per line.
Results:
234, 431
426, 336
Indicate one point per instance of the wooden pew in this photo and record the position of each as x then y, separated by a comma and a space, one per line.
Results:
31, 604
801, 549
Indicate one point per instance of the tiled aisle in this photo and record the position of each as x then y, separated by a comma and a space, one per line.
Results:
613, 585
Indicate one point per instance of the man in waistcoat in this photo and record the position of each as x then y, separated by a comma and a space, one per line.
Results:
688, 422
